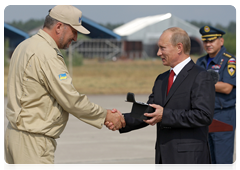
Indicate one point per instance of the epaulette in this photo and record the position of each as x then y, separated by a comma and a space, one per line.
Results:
58, 52
227, 55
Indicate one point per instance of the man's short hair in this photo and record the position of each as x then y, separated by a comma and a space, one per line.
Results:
49, 22
180, 36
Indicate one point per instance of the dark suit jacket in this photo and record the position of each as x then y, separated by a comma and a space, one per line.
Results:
182, 135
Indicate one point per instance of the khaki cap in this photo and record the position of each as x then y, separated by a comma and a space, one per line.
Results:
69, 15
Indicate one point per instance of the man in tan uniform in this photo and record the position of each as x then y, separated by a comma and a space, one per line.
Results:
41, 94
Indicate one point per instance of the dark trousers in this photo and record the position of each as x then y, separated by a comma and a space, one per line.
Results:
160, 165
222, 143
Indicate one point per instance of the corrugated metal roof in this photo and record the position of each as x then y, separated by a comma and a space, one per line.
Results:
98, 31
10, 30
140, 23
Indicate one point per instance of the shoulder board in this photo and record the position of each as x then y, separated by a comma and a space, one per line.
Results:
227, 55
58, 52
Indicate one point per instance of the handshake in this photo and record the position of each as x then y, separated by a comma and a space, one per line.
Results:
114, 120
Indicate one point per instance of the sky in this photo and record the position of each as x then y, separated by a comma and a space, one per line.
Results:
215, 14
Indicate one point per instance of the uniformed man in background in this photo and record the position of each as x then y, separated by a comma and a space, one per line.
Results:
41, 94
224, 63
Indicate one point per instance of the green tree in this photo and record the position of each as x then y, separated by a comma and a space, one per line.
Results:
219, 26
232, 27
28, 25
230, 42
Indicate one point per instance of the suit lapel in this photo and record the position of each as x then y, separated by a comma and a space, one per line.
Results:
180, 78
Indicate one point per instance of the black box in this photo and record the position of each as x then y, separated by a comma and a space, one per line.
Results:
139, 108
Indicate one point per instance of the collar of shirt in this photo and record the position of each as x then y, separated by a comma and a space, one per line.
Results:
48, 38
179, 67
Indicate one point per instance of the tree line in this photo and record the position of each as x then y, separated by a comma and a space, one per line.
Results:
229, 37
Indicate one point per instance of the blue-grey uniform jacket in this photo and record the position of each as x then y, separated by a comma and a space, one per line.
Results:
225, 64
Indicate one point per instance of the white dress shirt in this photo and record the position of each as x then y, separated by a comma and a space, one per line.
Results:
179, 67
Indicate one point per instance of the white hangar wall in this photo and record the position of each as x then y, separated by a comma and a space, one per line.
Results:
149, 29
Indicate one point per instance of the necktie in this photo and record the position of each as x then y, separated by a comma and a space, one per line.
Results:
170, 80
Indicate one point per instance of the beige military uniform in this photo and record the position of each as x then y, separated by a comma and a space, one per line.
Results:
40, 97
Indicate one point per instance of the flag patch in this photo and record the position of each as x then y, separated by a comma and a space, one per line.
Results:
62, 76
232, 61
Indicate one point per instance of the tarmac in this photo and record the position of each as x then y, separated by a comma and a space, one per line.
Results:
84, 147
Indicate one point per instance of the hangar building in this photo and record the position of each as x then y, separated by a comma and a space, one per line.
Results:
148, 30
137, 38
14, 35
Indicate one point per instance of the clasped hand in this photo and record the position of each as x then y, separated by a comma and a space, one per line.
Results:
114, 120
118, 121
155, 116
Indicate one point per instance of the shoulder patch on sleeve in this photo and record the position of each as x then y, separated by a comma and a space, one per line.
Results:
62, 76
231, 69
58, 52
232, 61
231, 66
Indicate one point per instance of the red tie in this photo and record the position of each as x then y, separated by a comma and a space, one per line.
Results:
170, 80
